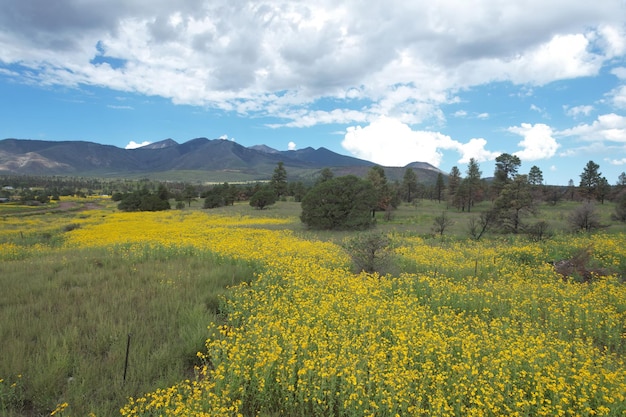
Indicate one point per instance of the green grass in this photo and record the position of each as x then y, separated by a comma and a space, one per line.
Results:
66, 317
66, 314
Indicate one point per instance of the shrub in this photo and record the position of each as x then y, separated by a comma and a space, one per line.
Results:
339, 203
263, 198
370, 252
585, 218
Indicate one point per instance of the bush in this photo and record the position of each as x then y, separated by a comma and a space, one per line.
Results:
339, 203
263, 198
585, 218
370, 252
620, 208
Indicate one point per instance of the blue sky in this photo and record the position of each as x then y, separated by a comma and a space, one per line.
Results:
392, 82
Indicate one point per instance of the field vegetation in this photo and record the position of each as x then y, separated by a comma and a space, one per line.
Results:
237, 311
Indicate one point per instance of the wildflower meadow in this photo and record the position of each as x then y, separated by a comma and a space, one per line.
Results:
461, 328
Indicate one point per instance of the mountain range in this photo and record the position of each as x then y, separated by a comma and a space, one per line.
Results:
209, 160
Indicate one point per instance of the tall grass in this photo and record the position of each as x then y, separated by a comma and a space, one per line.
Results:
67, 316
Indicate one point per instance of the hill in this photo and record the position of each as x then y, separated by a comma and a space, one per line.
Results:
197, 159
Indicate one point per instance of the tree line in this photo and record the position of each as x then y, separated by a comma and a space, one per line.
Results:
350, 202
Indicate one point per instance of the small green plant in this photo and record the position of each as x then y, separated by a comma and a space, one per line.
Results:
11, 395
370, 252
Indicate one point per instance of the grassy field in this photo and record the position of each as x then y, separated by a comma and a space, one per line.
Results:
461, 327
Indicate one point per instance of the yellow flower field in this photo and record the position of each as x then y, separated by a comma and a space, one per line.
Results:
477, 329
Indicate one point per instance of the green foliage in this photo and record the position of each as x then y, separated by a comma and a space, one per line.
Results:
515, 200
590, 180
339, 203
385, 198
370, 252
189, 194
471, 183
409, 184
620, 208
279, 180
219, 196
263, 198
535, 176
144, 200
324, 175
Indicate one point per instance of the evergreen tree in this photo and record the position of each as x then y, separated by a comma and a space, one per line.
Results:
189, 194
325, 175
604, 189
454, 182
440, 187
514, 200
376, 176
339, 203
409, 184
279, 180
590, 180
535, 176
507, 166
472, 182
266, 196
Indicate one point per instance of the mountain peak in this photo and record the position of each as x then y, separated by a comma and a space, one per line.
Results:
166, 143
263, 148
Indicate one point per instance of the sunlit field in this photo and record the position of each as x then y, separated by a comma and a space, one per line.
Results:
244, 312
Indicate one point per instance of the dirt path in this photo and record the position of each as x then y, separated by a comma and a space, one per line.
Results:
63, 206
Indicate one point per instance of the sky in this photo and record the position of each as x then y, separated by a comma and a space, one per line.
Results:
392, 82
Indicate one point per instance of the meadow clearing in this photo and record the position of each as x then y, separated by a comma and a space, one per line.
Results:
236, 311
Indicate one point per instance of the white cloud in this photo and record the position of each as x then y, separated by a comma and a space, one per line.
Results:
117, 107
483, 116
538, 142
617, 161
291, 146
267, 57
613, 40
390, 142
618, 97
475, 148
460, 113
134, 145
606, 128
563, 57
619, 72
577, 111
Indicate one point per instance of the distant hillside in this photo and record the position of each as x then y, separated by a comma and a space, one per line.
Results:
200, 159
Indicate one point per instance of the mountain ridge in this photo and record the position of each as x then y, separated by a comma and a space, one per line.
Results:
200, 155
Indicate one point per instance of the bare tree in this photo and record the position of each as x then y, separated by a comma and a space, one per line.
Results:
479, 226
441, 223
585, 218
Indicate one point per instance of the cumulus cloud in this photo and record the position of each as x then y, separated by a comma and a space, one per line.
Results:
390, 142
538, 142
619, 72
276, 57
291, 146
618, 97
577, 111
606, 128
134, 145
617, 161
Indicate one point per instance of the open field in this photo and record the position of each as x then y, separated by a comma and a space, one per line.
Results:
460, 328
